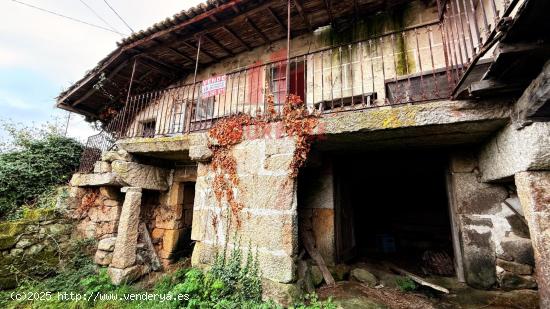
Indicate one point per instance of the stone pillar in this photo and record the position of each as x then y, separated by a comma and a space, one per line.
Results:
534, 195
268, 220
474, 204
124, 254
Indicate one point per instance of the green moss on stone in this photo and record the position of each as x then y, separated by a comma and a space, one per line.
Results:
12, 228
39, 214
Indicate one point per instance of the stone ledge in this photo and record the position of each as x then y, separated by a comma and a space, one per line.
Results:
512, 151
176, 143
413, 115
95, 180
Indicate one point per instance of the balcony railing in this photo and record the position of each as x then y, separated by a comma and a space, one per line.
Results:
400, 67
415, 64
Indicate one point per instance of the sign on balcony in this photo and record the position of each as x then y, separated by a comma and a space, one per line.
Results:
213, 86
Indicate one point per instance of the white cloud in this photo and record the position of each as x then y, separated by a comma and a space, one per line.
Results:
62, 50
11, 100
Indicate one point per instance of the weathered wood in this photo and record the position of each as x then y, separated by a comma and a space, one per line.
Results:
276, 18
534, 99
220, 46
417, 279
112, 74
492, 87
257, 30
309, 244
302, 14
236, 37
155, 262
155, 66
209, 55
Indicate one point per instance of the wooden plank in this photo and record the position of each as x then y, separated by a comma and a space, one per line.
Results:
203, 51
155, 262
455, 229
534, 99
236, 37
309, 244
257, 30
276, 19
489, 87
182, 55
94, 90
215, 42
417, 279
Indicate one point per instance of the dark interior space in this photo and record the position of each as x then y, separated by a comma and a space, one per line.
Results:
184, 246
394, 207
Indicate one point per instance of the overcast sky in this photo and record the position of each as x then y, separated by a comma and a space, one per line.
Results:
42, 54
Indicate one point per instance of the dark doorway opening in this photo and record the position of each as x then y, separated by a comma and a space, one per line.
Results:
392, 207
184, 245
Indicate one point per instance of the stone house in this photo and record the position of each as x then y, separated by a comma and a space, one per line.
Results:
429, 133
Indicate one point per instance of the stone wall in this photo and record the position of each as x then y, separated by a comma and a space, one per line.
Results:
511, 151
173, 216
31, 246
534, 194
137, 212
267, 222
495, 243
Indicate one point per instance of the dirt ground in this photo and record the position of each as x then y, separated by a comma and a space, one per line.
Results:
352, 294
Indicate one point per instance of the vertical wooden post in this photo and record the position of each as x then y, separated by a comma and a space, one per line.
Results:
131, 81
197, 60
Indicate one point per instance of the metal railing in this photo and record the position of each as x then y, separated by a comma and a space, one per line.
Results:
399, 67
415, 64
95, 146
469, 27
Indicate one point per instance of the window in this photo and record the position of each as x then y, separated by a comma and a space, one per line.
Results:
277, 80
148, 128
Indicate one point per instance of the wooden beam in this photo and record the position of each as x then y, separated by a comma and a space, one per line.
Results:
243, 43
535, 100
489, 87
90, 92
130, 47
276, 18
302, 14
182, 55
209, 55
160, 66
257, 30
218, 44
158, 62
161, 45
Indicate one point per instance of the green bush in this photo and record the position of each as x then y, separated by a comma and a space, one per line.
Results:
33, 165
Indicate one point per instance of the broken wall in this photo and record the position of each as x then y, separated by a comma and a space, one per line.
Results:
495, 244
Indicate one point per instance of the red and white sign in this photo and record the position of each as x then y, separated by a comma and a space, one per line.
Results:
213, 86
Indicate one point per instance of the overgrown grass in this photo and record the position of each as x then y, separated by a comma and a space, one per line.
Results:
230, 283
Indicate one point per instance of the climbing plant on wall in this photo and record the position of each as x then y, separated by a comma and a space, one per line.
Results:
228, 132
